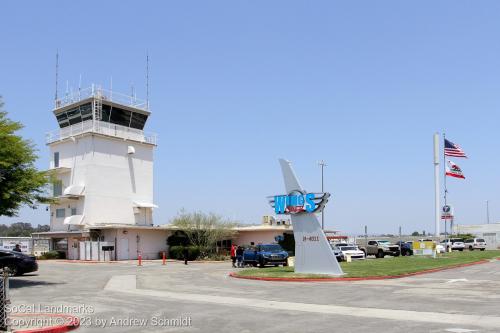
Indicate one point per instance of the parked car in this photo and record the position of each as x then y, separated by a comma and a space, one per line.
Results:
475, 244
440, 248
406, 248
456, 244
18, 263
381, 248
342, 250
265, 254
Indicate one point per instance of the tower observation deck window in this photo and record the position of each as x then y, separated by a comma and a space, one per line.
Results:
109, 114
119, 116
75, 115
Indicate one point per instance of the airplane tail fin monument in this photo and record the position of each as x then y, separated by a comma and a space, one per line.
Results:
313, 254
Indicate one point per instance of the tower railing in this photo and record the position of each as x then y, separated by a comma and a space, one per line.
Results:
102, 94
101, 127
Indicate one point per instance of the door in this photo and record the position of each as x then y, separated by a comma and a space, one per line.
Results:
123, 253
82, 250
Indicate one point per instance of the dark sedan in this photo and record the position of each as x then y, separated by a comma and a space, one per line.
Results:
406, 248
18, 263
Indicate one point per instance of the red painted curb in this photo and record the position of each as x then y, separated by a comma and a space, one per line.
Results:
73, 323
336, 279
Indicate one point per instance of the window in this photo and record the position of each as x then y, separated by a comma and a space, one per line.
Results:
56, 159
75, 115
120, 117
60, 213
138, 120
57, 188
73, 211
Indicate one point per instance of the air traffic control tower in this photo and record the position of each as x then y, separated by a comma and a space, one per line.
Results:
103, 162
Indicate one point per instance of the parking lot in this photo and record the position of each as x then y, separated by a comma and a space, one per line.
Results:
124, 297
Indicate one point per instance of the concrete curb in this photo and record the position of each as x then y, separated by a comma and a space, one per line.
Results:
85, 261
72, 324
337, 279
135, 261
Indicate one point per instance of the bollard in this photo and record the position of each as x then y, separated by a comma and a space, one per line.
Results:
139, 257
164, 259
348, 258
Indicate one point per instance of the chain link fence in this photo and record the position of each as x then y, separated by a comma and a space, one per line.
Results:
4, 299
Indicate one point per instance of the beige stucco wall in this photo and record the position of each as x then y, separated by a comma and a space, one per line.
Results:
149, 243
257, 236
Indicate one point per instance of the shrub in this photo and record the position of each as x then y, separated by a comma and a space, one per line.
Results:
50, 255
177, 252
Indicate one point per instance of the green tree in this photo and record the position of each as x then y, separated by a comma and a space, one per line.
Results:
415, 233
204, 230
20, 182
21, 229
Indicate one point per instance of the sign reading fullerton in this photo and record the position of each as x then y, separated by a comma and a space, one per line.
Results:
313, 253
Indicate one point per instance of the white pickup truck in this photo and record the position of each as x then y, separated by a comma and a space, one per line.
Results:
475, 244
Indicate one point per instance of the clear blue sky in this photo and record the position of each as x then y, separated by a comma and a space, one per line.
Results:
237, 84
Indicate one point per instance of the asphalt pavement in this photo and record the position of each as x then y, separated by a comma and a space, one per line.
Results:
200, 297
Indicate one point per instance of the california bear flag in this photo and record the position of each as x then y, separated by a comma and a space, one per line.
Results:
454, 170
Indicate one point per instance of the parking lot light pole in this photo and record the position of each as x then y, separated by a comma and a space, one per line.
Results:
487, 211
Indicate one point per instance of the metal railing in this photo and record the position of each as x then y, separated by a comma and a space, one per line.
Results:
104, 94
101, 127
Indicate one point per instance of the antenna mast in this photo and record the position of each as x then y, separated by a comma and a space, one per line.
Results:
147, 80
57, 75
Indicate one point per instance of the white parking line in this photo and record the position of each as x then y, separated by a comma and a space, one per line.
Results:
127, 284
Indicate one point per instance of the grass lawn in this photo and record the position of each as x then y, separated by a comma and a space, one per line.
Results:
379, 267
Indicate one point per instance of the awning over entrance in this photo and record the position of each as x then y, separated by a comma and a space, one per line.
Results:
74, 190
144, 204
74, 220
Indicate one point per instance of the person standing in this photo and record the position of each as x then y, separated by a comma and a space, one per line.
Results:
185, 253
17, 248
233, 254
239, 256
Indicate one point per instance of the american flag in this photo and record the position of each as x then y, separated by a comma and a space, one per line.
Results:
451, 149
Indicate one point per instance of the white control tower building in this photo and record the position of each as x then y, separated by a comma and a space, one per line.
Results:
103, 163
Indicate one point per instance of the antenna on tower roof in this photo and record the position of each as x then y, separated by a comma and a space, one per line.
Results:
57, 73
147, 80
80, 87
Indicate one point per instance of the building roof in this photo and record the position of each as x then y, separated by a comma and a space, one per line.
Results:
60, 233
132, 226
472, 228
264, 227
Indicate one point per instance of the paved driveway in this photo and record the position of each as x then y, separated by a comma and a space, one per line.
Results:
123, 297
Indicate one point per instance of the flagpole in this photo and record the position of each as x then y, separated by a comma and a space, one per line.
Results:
445, 188
437, 187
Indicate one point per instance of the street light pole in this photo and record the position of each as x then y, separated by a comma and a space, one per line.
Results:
487, 212
322, 164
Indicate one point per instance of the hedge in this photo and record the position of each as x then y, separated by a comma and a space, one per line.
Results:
177, 252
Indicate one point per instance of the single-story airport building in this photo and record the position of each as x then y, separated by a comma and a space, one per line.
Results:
490, 232
124, 242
